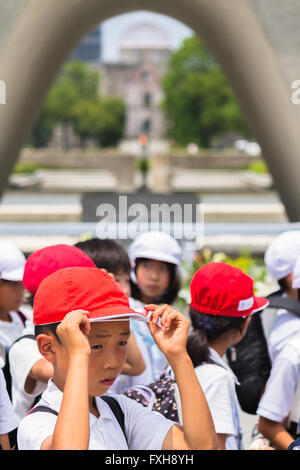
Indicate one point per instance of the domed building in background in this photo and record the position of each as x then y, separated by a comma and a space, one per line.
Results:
144, 54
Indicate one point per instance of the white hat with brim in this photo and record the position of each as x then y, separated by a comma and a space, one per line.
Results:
296, 275
282, 253
154, 245
12, 262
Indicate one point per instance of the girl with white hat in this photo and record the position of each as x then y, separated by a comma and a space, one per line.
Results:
155, 260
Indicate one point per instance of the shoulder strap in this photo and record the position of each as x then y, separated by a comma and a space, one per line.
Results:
22, 337
22, 317
117, 411
292, 305
112, 403
45, 409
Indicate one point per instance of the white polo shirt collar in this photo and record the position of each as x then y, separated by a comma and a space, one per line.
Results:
53, 396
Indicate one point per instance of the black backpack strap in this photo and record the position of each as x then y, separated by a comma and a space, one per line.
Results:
112, 403
277, 301
22, 317
117, 411
22, 337
6, 368
44, 409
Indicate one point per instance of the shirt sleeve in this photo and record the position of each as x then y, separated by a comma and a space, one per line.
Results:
145, 429
278, 397
34, 429
8, 418
25, 353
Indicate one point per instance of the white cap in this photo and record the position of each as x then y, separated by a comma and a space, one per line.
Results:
296, 274
12, 262
159, 246
281, 255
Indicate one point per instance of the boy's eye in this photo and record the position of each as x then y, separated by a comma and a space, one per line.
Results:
123, 343
96, 347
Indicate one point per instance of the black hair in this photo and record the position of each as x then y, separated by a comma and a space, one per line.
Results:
107, 254
283, 284
206, 328
171, 293
45, 329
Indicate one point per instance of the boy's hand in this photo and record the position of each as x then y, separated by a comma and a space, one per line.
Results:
73, 332
171, 336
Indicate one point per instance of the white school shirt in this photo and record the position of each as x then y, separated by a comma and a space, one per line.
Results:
277, 400
8, 418
144, 429
285, 326
154, 359
22, 357
218, 384
10, 331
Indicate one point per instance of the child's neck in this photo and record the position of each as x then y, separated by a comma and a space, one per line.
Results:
93, 407
220, 346
147, 300
5, 316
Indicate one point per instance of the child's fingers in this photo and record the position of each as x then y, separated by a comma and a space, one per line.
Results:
168, 316
158, 312
77, 319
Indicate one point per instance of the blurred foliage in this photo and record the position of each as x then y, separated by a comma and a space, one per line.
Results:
259, 166
74, 100
199, 104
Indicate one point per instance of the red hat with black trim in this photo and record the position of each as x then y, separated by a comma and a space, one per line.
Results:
81, 288
45, 261
222, 289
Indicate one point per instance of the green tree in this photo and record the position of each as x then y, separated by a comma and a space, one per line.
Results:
111, 121
74, 100
199, 103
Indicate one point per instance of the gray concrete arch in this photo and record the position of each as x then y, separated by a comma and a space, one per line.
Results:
37, 37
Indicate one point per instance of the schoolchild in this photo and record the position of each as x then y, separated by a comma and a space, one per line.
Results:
82, 320
280, 258
222, 303
8, 419
281, 319
29, 370
109, 255
154, 278
279, 408
12, 321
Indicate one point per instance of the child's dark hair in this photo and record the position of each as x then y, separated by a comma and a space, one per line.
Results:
107, 254
167, 297
206, 328
283, 284
44, 329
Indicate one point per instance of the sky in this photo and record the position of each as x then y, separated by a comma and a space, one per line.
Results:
114, 28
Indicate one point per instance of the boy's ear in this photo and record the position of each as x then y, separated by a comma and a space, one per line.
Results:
45, 346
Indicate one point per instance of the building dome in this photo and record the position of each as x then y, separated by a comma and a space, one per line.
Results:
145, 36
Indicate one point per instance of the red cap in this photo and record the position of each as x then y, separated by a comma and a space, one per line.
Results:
222, 289
46, 261
77, 288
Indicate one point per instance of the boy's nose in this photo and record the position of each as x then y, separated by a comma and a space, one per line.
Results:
111, 360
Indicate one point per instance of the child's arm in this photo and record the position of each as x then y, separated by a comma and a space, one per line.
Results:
41, 371
198, 430
276, 433
4, 442
134, 364
72, 426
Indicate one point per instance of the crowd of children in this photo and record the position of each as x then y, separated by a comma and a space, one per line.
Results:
81, 326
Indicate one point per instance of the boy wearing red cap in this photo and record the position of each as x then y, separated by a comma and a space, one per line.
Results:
29, 371
222, 302
88, 353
